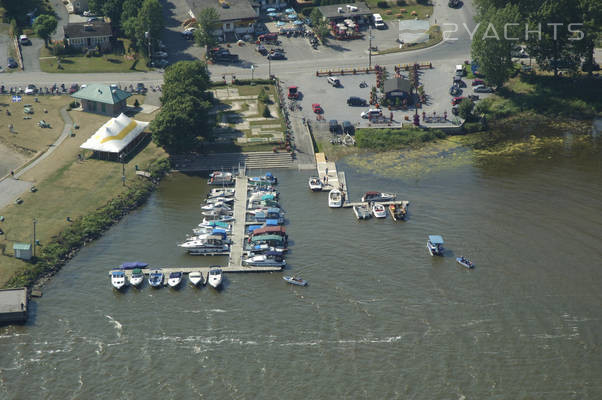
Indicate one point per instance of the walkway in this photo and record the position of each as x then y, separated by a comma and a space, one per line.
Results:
240, 216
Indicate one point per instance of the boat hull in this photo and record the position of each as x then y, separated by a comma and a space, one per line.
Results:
465, 264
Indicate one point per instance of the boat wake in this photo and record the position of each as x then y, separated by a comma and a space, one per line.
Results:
116, 324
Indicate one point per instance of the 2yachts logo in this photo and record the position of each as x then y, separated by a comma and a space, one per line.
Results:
510, 32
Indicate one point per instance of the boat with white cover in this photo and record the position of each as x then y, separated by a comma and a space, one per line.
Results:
195, 277
117, 279
335, 198
378, 196
174, 279
215, 277
223, 192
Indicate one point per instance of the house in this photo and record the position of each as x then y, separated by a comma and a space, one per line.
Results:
358, 12
397, 88
102, 99
236, 16
88, 35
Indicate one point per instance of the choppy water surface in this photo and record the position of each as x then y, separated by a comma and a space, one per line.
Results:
380, 319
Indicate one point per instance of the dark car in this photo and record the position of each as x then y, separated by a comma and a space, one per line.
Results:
455, 91
224, 55
478, 82
333, 125
262, 50
74, 88
140, 88
348, 127
12, 63
356, 101
454, 3
276, 56
459, 82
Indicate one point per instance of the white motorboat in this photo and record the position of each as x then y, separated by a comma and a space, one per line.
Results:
379, 211
155, 278
315, 184
335, 198
465, 262
256, 196
208, 219
201, 230
174, 279
378, 196
213, 200
221, 178
294, 280
215, 277
264, 261
362, 212
117, 279
434, 244
218, 212
206, 236
195, 277
222, 250
225, 192
137, 277
221, 207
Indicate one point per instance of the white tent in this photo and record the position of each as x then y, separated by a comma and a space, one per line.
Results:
115, 135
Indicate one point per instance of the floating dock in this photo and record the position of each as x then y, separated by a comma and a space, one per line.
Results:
331, 179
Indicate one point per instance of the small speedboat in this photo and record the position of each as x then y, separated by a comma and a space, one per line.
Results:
379, 211
398, 211
293, 280
378, 196
218, 212
214, 200
465, 262
195, 277
434, 244
264, 261
155, 279
174, 279
216, 218
215, 277
117, 279
315, 184
335, 198
137, 277
362, 212
219, 206
225, 192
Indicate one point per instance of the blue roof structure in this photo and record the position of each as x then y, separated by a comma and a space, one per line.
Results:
271, 222
435, 239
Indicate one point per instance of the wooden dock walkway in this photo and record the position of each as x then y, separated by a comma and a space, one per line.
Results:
240, 216
404, 203
327, 171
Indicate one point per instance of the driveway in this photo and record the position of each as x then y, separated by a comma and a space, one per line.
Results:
62, 17
31, 55
4, 43
179, 49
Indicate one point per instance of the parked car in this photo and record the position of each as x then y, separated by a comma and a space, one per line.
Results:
454, 3
269, 38
160, 54
356, 101
223, 55
140, 88
333, 126
317, 108
159, 63
24, 40
371, 113
276, 56
459, 82
31, 89
261, 50
455, 110
12, 63
334, 81
74, 88
457, 100
455, 91
88, 13
460, 70
348, 127
477, 82
92, 19
188, 33
482, 89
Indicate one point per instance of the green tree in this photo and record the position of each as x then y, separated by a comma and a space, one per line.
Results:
591, 15
44, 26
130, 9
185, 77
465, 108
18, 9
322, 30
315, 16
150, 19
112, 9
491, 48
208, 21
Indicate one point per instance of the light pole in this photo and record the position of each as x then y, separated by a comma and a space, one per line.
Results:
370, 47
122, 169
269, 67
252, 70
35, 221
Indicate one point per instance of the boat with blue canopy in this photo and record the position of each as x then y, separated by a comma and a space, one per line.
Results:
434, 244
133, 265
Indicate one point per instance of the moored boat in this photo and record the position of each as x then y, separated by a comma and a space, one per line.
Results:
335, 198
293, 280
195, 277
378, 196
221, 178
174, 279
434, 244
117, 279
465, 262
315, 184
225, 192
155, 278
215, 277
379, 211
398, 211
362, 212
137, 277
264, 261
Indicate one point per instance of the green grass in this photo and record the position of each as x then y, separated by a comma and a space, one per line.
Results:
392, 11
435, 36
82, 64
390, 139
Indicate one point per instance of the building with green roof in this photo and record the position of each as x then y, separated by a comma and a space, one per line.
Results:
102, 99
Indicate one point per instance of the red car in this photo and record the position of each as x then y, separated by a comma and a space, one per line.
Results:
317, 108
457, 100
293, 92
477, 82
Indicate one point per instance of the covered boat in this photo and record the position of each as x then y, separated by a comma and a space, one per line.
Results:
269, 230
137, 277
133, 265
434, 244
272, 240
263, 260
378, 196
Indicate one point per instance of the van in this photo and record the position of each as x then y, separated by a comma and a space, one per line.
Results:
371, 113
334, 81
378, 21
459, 70
23, 39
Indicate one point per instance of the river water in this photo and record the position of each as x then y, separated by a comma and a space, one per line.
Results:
380, 319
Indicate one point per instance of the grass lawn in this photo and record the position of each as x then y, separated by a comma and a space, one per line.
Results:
401, 9
28, 138
82, 64
66, 188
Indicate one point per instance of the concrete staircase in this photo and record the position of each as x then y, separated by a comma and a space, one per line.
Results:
231, 161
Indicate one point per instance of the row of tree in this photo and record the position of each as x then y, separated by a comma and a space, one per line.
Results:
558, 34
139, 20
185, 107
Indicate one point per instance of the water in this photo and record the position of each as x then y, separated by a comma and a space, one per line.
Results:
380, 319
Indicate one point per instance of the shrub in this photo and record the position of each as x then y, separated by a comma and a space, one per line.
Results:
401, 2
136, 103
382, 4
465, 108
74, 104
470, 127
266, 112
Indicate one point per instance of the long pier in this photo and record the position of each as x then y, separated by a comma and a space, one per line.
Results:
240, 216
204, 270
331, 179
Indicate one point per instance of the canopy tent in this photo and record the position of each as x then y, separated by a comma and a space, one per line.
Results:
116, 137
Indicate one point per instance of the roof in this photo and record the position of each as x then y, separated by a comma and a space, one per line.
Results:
333, 11
22, 246
266, 237
87, 29
236, 10
101, 93
115, 135
435, 239
397, 85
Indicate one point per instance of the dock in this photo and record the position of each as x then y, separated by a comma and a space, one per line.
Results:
13, 305
240, 217
204, 270
404, 203
331, 178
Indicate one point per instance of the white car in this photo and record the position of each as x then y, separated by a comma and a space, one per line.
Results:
482, 89
31, 89
371, 113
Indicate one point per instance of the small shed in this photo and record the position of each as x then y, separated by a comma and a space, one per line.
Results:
102, 99
397, 88
22, 251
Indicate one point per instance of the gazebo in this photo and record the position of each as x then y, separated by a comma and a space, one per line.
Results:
116, 138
